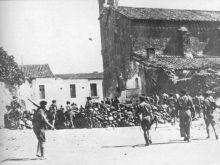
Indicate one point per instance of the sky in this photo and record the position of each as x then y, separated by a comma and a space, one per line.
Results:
65, 33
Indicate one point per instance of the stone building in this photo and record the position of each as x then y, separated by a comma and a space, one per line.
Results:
157, 48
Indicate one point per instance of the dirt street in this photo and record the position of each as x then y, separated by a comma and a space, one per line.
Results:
111, 146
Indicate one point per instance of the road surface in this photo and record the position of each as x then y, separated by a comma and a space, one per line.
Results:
111, 146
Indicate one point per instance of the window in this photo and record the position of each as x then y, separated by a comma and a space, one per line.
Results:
42, 91
73, 91
93, 88
136, 83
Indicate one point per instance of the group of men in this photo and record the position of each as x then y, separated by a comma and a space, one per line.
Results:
112, 113
182, 107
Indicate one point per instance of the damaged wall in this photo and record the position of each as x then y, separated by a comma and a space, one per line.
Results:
195, 82
121, 36
163, 35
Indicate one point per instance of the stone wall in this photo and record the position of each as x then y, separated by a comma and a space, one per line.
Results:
116, 51
196, 82
163, 35
121, 36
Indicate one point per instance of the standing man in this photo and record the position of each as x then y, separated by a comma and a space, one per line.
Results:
172, 108
16, 111
52, 112
39, 122
115, 102
15, 105
209, 106
146, 118
197, 100
89, 111
185, 105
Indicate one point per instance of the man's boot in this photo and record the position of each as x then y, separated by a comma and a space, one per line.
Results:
42, 151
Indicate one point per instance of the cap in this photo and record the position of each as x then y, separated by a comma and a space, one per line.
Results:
89, 98
43, 103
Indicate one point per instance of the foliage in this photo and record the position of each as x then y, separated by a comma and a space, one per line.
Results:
10, 73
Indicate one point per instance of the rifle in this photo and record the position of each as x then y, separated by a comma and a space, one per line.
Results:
33, 103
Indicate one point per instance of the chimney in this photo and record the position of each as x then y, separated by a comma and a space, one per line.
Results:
150, 53
113, 3
184, 45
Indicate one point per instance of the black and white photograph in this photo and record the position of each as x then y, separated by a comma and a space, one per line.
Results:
109, 82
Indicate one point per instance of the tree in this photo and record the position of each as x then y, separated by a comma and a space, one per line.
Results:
10, 73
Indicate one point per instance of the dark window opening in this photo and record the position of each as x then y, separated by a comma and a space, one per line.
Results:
73, 91
136, 83
93, 88
42, 91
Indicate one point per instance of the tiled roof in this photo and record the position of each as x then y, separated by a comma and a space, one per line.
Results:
179, 63
94, 75
169, 14
37, 71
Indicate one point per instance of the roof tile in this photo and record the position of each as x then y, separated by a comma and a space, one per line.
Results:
37, 71
169, 14
94, 75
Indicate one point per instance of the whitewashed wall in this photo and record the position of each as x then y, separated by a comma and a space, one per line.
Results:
59, 90
131, 84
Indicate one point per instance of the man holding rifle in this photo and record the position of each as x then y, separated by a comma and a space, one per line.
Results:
39, 122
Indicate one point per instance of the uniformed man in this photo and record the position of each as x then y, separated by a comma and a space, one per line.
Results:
146, 118
115, 102
209, 106
197, 100
15, 105
39, 122
16, 111
185, 104
89, 111
52, 112
172, 101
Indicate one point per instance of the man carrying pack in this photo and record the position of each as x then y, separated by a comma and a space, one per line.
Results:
209, 106
146, 118
39, 122
185, 104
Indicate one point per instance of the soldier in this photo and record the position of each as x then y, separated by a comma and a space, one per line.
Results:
60, 118
172, 101
209, 106
108, 101
16, 111
115, 102
39, 122
7, 121
146, 118
185, 104
89, 111
197, 100
15, 105
68, 106
52, 112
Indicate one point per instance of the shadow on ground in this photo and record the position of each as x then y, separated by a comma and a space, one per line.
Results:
19, 159
161, 143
